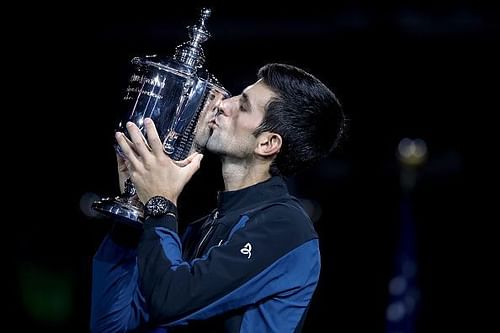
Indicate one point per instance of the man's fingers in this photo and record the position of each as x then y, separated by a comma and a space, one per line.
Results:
194, 165
127, 150
153, 137
187, 160
138, 139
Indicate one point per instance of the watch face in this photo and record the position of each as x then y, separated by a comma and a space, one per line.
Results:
157, 206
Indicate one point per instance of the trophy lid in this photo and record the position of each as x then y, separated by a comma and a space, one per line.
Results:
191, 53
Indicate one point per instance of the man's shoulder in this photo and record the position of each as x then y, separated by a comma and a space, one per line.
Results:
286, 216
285, 206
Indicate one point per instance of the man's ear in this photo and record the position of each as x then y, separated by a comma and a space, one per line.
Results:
268, 144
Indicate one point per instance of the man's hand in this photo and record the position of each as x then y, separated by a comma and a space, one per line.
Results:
150, 169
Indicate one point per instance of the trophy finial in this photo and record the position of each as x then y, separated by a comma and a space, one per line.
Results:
205, 13
190, 53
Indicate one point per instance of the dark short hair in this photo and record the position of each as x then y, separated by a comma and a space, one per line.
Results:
305, 113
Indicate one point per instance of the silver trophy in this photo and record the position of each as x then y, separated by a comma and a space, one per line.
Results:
175, 93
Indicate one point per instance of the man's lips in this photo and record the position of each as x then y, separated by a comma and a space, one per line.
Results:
213, 123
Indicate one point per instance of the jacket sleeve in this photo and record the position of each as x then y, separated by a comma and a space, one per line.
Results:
116, 303
268, 255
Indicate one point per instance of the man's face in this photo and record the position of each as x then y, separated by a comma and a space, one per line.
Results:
237, 118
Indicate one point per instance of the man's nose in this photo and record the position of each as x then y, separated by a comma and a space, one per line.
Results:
227, 107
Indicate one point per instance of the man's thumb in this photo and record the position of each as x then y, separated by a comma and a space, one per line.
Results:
195, 164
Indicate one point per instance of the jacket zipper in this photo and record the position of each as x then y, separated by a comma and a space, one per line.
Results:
212, 222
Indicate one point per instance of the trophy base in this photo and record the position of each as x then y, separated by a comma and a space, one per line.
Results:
121, 209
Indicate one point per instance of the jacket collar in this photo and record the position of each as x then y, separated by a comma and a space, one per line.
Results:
267, 190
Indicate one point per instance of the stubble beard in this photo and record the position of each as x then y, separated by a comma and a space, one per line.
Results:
201, 140
214, 144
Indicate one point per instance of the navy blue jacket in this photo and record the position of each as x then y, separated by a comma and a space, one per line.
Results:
252, 265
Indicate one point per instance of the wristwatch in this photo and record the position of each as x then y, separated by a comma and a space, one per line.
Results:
159, 206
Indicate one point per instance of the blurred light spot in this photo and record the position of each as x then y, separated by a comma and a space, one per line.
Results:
397, 285
396, 311
86, 202
46, 295
412, 152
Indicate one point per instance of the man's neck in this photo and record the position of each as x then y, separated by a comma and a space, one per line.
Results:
239, 175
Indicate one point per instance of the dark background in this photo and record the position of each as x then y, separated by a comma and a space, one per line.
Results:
415, 70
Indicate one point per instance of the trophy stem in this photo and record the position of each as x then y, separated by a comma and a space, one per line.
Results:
125, 208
